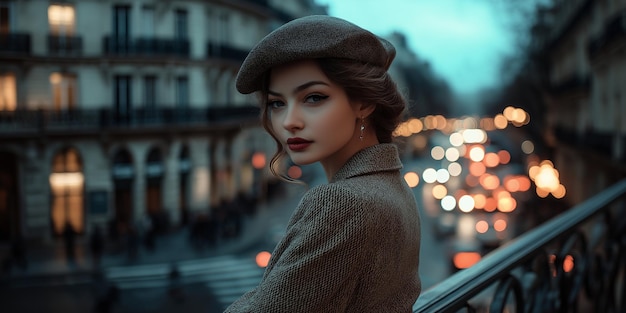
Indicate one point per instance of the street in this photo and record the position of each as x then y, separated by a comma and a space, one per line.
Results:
205, 284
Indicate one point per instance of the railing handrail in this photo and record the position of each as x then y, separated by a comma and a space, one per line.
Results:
101, 118
456, 290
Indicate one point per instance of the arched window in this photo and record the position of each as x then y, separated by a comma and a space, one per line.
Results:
67, 185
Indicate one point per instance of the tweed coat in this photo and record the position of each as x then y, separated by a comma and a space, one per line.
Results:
352, 245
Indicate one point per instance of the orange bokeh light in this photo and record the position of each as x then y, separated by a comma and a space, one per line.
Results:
258, 160
294, 172
482, 227
499, 225
477, 169
480, 201
491, 204
489, 182
491, 159
466, 259
511, 183
507, 205
263, 258
505, 156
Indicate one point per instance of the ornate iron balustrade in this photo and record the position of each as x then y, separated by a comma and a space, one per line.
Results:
600, 142
146, 46
575, 262
15, 42
46, 121
61, 45
224, 51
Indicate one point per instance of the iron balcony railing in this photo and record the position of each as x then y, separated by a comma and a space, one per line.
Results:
65, 45
146, 46
575, 262
15, 43
225, 51
49, 121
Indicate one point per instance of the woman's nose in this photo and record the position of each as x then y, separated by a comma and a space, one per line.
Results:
293, 118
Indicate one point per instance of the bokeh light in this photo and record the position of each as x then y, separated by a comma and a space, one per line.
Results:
429, 175
263, 258
448, 203
437, 153
412, 179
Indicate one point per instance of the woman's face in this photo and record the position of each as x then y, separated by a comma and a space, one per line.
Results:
312, 117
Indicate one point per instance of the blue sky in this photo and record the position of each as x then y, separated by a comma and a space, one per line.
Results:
464, 40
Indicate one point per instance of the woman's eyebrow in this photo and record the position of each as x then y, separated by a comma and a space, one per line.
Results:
300, 88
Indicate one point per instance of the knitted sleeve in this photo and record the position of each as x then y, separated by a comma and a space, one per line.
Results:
320, 258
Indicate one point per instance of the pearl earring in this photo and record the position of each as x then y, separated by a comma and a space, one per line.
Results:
362, 129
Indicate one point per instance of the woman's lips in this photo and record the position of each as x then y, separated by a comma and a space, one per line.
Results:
298, 144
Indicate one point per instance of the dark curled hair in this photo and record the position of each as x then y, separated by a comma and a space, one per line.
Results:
370, 85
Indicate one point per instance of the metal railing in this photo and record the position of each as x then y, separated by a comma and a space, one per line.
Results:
46, 121
575, 262
225, 51
146, 46
15, 43
65, 45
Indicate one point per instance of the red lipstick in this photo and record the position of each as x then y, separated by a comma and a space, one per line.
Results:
298, 144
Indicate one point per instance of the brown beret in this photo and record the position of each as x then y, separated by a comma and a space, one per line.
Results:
312, 37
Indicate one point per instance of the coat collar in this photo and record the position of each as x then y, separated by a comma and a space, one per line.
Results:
377, 158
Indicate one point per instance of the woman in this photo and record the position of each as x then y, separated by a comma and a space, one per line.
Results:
352, 245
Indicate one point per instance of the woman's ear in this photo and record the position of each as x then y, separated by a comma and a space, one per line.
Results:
364, 110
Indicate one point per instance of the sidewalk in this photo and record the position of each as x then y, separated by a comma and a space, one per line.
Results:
49, 260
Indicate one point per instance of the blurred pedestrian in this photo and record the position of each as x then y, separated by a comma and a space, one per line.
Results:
69, 237
176, 288
352, 245
132, 242
96, 244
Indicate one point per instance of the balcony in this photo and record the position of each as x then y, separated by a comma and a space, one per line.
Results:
15, 43
599, 142
575, 262
614, 32
227, 52
146, 47
80, 122
575, 85
65, 45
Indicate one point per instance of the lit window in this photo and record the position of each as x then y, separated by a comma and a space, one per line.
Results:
66, 184
62, 19
8, 93
63, 90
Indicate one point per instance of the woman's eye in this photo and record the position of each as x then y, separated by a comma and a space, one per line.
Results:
274, 104
315, 98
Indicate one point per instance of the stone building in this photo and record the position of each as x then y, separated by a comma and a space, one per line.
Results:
112, 111
582, 45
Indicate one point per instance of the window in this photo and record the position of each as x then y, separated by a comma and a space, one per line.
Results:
182, 92
149, 92
122, 95
62, 19
147, 21
180, 28
63, 90
8, 92
66, 183
223, 29
121, 28
5, 17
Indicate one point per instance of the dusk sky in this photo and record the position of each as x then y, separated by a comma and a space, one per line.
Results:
464, 40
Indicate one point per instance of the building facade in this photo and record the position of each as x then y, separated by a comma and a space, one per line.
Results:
583, 46
114, 111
